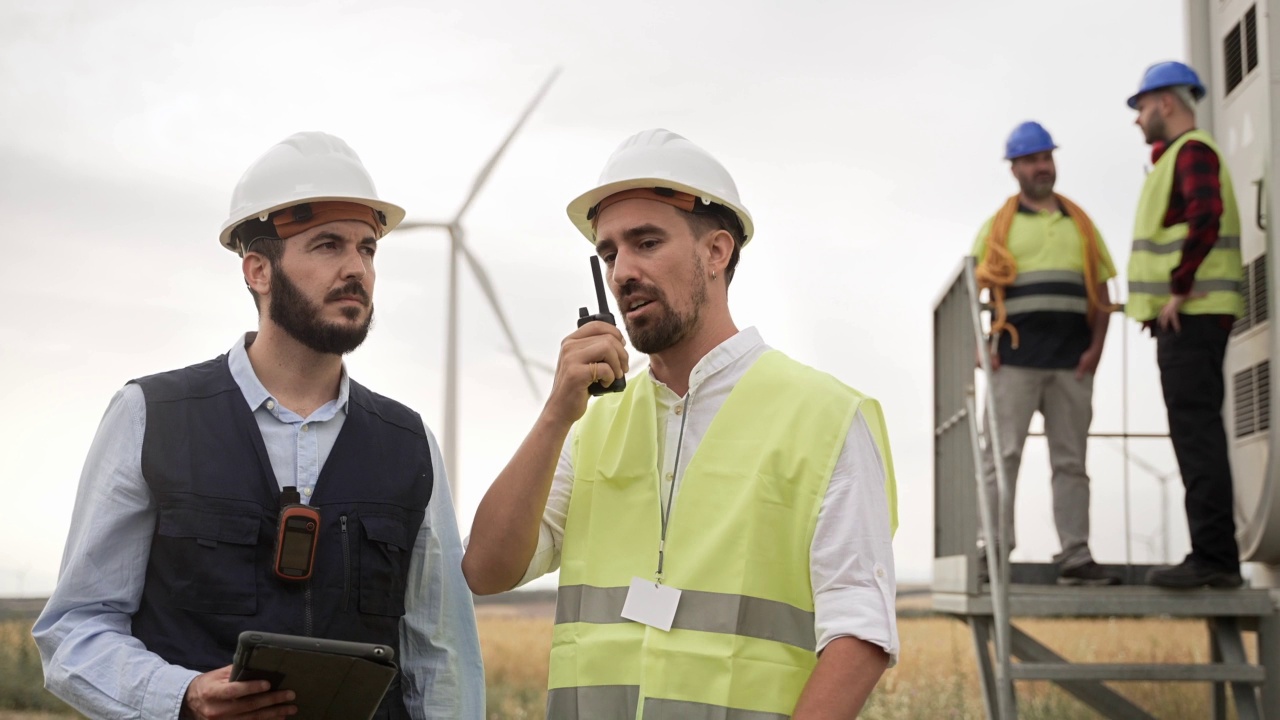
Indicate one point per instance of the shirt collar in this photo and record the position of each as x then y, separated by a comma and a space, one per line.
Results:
1028, 210
720, 357
254, 393
1159, 147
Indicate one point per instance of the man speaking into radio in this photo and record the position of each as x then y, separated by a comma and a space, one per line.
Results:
266, 490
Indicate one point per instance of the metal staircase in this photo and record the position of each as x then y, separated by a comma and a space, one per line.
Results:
1006, 654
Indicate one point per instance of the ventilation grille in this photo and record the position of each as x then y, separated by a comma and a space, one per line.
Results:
1258, 300
1250, 39
1262, 379
1232, 58
1242, 391
1251, 398
1240, 50
1253, 290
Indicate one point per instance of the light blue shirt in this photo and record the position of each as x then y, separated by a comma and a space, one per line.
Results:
92, 660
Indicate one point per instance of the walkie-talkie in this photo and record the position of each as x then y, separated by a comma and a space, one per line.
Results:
597, 387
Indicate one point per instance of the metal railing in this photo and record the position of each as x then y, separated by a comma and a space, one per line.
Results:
958, 338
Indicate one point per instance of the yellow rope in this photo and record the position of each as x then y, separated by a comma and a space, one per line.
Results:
998, 268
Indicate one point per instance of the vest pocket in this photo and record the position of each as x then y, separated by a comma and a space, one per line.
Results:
384, 564
206, 558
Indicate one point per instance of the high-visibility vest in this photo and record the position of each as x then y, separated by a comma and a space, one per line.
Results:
737, 548
1157, 250
1049, 251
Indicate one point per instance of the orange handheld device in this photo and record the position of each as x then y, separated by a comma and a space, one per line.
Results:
297, 532
584, 317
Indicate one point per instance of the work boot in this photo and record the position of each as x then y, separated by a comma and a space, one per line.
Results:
1090, 573
1193, 574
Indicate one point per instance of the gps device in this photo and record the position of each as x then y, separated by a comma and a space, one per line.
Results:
297, 532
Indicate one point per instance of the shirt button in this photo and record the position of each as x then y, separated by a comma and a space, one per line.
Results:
879, 571
307, 492
304, 428
271, 404
670, 477
679, 410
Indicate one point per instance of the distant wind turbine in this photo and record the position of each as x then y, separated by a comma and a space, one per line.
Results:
458, 247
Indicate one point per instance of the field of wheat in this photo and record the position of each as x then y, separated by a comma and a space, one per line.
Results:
936, 678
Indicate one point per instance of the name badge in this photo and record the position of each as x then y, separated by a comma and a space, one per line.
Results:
651, 604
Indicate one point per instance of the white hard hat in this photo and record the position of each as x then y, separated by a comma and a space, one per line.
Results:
304, 167
661, 159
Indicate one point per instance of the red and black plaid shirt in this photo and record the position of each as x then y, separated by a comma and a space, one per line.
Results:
1196, 199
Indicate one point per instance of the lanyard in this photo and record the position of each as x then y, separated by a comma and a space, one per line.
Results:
671, 493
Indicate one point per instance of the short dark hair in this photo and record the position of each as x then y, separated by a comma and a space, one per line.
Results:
709, 218
259, 236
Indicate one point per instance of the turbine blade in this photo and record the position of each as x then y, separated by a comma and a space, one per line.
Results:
534, 363
497, 155
486, 286
421, 224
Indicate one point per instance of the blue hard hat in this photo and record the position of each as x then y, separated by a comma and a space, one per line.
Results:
1166, 75
1027, 139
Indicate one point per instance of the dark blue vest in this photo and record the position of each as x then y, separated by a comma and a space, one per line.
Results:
209, 576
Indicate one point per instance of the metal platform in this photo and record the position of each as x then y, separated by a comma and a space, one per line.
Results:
1006, 654
1140, 601
1033, 592
1228, 614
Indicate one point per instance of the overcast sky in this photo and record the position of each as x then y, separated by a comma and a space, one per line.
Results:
865, 138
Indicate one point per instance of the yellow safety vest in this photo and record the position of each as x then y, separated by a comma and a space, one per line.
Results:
737, 548
1157, 250
1050, 255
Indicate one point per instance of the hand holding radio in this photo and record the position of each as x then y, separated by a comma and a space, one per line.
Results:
597, 387
593, 358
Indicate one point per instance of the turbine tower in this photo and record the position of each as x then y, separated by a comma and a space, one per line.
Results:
458, 249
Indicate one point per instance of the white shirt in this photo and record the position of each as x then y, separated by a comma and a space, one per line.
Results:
851, 558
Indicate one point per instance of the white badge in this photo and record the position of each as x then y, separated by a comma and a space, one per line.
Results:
651, 604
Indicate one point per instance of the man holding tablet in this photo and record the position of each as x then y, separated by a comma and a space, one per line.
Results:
265, 490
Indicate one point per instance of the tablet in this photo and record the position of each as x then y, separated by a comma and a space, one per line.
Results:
250, 640
331, 678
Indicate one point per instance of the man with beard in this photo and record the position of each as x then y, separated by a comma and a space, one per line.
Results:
172, 548
723, 526
1046, 267
1184, 286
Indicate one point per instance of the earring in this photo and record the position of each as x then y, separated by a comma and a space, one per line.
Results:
713, 274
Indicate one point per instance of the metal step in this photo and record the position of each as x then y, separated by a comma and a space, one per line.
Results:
1123, 672
1116, 601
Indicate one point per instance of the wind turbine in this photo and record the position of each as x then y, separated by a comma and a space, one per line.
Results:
458, 247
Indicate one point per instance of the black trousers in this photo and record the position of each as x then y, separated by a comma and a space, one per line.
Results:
1191, 376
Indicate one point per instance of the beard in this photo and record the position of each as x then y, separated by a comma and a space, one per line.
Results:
300, 318
1039, 187
1153, 132
655, 334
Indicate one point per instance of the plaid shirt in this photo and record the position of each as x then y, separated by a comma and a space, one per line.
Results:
1196, 199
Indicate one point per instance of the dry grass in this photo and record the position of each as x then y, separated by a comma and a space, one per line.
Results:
937, 677
22, 693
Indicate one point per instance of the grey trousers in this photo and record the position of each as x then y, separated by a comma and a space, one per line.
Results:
1067, 406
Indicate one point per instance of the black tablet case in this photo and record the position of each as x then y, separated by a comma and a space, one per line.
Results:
328, 686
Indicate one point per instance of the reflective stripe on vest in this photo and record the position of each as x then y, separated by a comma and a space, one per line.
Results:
1048, 251
1157, 250
606, 702
702, 611
1047, 291
1151, 246
738, 544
